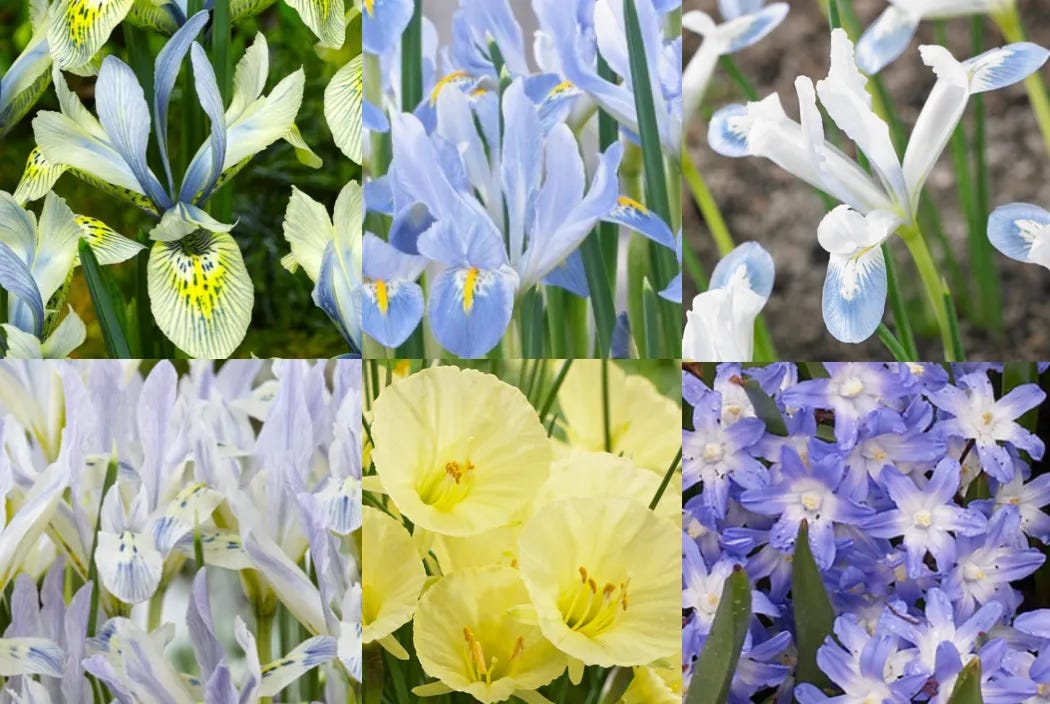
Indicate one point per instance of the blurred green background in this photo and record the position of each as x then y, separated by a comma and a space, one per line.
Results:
285, 321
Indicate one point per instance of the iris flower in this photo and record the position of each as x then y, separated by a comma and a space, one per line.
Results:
877, 204
459, 224
721, 325
199, 288
746, 22
467, 636
384, 22
79, 28
329, 251
450, 464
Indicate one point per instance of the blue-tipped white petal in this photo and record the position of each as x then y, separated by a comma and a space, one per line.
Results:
30, 656
128, 565
16, 278
630, 213
1002, 67
183, 219
281, 672
470, 308
886, 39
855, 295
728, 131
731, 9
1021, 231
207, 89
748, 29
340, 500
757, 265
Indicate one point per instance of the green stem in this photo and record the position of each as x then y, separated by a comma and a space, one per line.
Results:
666, 480
708, 207
263, 634
156, 608
111, 478
935, 286
605, 406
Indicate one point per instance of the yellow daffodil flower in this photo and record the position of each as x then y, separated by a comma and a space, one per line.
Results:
391, 580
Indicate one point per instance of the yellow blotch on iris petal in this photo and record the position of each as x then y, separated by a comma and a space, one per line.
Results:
382, 297
470, 284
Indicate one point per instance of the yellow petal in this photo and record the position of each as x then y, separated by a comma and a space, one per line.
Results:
392, 575
458, 451
604, 576
467, 612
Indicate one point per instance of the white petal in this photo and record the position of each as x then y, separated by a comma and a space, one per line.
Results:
308, 230
855, 294
30, 656
1021, 231
843, 94
192, 506
128, 565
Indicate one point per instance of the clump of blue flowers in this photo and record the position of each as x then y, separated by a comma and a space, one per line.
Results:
507, 178
862, 532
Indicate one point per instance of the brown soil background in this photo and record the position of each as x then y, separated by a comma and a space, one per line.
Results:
763, 203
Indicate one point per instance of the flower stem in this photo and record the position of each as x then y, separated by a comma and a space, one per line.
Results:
1010, 24
263, 631
156, 608
708, 207
936, 287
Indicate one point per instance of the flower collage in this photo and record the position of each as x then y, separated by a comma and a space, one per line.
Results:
344, 357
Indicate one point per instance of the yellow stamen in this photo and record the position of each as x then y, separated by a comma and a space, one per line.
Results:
469, 284
591, 610
370, 7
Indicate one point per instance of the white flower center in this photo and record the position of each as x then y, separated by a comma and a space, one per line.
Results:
714, 452
973, 573
812, 502
851, 387
923, 519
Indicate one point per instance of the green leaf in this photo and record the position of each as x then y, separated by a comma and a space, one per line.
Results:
968, 687
412, 60
713, 671
814, 616
112, 332
765, 407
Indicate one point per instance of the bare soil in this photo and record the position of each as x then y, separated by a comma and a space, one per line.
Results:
760, 202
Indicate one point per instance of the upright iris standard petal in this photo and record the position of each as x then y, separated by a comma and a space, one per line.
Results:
342, 108
201, 293
211, 101
79, 28
124, 115
1021, 231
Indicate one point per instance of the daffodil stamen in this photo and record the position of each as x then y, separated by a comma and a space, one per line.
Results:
591, 609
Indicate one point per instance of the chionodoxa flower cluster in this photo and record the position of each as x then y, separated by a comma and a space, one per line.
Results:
177, 538
912, 492
521, 544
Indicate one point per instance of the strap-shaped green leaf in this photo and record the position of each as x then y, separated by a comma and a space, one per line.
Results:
112, 332
713, 671
814, 616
